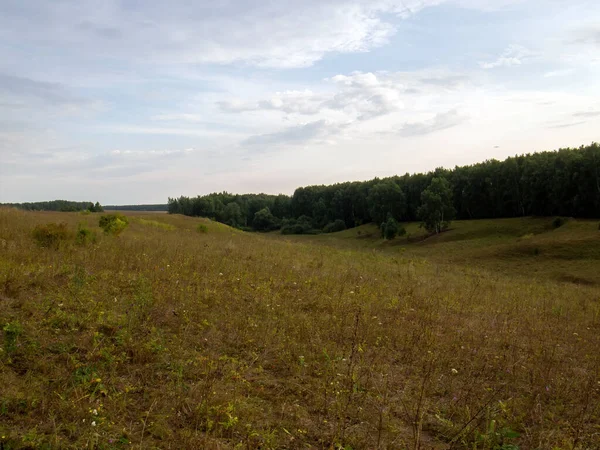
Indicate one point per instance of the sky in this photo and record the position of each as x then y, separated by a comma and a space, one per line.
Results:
135, 101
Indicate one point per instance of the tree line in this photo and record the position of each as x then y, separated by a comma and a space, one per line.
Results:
57, 205
565, 182
155, 207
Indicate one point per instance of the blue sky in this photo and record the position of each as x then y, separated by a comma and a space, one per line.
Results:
129, 101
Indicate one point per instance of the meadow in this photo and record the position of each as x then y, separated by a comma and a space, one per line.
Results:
185, 333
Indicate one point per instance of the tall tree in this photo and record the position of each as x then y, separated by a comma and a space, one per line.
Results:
436, 210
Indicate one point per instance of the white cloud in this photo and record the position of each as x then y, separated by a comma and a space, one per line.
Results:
514, 55
260, 33
312, 132
559, 73
439, 122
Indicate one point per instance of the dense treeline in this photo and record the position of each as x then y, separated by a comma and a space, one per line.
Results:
564, 182
241, 211
57, 205
157, 207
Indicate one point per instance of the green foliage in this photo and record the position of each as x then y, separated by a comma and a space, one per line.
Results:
561, 183
264, 220
436, 210
84, 235
153, 207
391, 228
95, 207
54, 205
232, 215
386, 198
559, 222
201, 228
12, 331
303, 225
221, 207
113, 223
51, 235
337, 225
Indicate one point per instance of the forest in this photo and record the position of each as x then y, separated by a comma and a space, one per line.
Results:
154, 207
57, 205
564, 182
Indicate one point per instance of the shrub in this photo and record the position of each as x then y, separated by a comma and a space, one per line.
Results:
113, 223
264, 220
558, 222
11, 332
51, 234
338, 225
201, 228
84, 235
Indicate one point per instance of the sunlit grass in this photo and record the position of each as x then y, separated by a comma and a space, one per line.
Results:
164, 337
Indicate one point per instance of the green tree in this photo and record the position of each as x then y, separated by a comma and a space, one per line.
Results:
385, 198
232, 215
391, 228
264, 220
337, 225
436, 210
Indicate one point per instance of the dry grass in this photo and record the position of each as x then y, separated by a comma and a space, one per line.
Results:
164, 337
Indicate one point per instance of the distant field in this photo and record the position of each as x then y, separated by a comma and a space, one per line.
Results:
184, 333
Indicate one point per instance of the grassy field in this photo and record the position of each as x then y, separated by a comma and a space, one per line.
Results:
170, 336
528, 247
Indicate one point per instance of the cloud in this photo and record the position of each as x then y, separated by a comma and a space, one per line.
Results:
567, 125
366, 95
587, 114
259, 33
588, 35
21, 89
559, 73
514, 55
439, 122
289, 102
319, 130
358, 96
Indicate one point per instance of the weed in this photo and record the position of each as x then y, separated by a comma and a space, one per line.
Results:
51, 235
12, 331
201, 228
113, 223
85, 236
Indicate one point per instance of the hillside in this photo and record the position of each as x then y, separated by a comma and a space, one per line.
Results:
186, 333
527, 247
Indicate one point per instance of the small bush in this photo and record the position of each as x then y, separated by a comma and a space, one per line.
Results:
84, 235
113, 223
338, 225
51, 234
201, 228
391, 228
302, 225
558, 222
11, 332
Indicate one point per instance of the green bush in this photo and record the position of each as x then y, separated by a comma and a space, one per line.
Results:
391, 228
113, 223
558, 222
338, 225
201, 228
84, 235
11, 332
301, 225
51, 235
